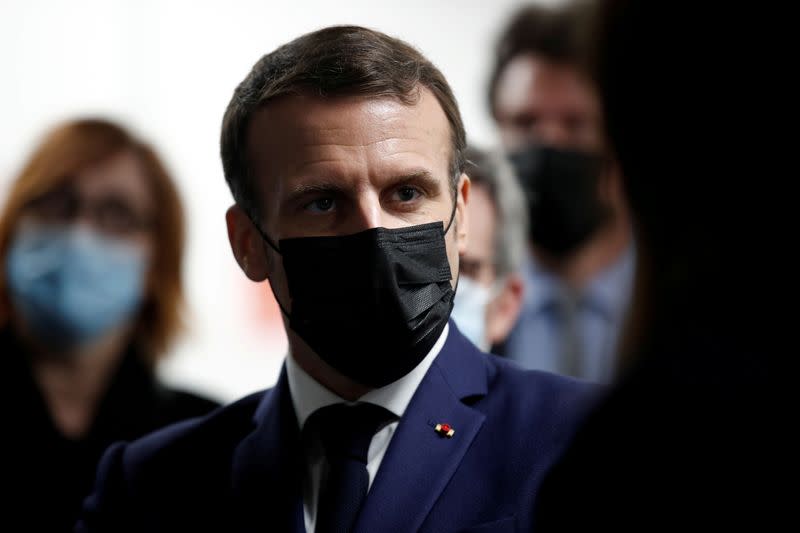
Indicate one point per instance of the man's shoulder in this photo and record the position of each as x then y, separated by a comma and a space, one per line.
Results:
507, 373
177, 474
526, 395
194, 440
505, 389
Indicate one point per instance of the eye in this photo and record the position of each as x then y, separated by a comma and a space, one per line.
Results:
525, 121
407, 193
576, 123
321, 205
59, 204
115, 217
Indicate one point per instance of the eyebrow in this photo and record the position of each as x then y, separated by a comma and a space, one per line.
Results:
303, 189
420, 176
328, 186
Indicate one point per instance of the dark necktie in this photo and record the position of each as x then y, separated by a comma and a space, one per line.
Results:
345, 432
571, 360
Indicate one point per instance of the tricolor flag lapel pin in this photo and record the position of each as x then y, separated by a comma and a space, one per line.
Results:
445, 430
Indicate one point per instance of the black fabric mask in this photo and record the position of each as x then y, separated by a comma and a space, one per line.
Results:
561, 187
371, 304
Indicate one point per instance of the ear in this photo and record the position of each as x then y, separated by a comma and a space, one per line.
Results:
504, 308
247, 245
462, 221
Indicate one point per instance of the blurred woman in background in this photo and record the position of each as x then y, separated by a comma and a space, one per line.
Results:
91, 240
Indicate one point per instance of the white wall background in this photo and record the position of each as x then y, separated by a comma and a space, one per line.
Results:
167, 69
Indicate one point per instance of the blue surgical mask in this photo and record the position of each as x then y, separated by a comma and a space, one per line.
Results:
469, 311
72, 285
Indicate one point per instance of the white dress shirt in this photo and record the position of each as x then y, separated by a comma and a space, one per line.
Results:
308, 396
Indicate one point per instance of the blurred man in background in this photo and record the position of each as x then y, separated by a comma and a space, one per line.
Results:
490, 287
578, 277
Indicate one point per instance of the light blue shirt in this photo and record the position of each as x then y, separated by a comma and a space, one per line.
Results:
537, 339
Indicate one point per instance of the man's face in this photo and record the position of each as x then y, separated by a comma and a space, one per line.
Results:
477, 262
340, 166
538, 101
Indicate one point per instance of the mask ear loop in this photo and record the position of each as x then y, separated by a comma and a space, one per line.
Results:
266, 238
272, 245
455, 289
450, 223
452, 213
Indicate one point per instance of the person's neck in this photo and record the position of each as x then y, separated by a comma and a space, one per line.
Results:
322, 372
74, 381
604, 248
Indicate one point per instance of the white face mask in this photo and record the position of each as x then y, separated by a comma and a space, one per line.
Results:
469, 310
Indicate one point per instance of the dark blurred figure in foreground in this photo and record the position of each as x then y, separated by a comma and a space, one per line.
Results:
689, 440
490, 286
91, 240
579, 272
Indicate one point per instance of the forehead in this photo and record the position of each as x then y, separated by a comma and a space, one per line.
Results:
529, 81
347, 138
121, 174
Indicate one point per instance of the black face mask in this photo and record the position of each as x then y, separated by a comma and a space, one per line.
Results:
371, 304
561, 187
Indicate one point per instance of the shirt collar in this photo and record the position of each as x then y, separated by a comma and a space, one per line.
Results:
610, 290
308, 395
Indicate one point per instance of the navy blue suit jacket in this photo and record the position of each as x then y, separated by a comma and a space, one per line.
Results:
241, 468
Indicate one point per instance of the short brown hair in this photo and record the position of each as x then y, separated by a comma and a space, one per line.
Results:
556, 34
491, 170
64, 151
334, 61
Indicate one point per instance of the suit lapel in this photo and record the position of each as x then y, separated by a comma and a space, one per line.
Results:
420, 462
267, 470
